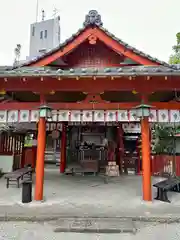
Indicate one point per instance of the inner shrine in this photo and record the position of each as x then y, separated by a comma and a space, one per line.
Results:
77, 106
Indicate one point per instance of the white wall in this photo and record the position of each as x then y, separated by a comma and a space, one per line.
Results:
53, 36
6, 163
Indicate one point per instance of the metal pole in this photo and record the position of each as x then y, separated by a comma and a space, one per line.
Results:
37, 10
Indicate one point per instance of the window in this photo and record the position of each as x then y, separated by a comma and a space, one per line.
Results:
45, 34
41, 35
33, 31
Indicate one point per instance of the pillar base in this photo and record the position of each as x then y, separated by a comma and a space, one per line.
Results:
39, 201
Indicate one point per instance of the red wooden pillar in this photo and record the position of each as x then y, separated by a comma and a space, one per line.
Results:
146, 163
41, 145
63, 149
138, 149
120, 146
2, 143
23, 153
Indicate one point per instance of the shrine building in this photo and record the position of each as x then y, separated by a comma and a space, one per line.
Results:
95, 84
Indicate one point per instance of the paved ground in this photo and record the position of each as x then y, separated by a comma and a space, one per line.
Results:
71, 196
45, 231
81, 225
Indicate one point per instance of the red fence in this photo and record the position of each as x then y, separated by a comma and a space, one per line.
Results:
163, 165
29, 156
12, 145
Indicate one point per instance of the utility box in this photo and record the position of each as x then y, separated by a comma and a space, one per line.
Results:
27, 192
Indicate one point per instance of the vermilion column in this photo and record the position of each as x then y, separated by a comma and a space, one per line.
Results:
146, 164
63, 149
41, 144
120, 146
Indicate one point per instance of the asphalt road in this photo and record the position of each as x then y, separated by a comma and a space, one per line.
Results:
44, 231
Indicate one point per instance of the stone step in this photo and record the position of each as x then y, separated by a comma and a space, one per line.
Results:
94, 225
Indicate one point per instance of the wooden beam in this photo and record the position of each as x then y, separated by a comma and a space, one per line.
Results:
86, 106
47, 84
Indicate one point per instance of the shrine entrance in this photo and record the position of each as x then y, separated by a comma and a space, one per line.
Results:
131, 163
88, 147
92, 77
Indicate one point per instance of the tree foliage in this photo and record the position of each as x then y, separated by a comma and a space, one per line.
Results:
175, 57
163, 139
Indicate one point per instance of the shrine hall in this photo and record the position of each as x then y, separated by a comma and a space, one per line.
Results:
88, 103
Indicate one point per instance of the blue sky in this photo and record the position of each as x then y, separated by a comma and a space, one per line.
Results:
150, 26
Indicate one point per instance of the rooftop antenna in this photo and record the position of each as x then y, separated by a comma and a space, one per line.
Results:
17, 53
43, 15
55, 12
37, 10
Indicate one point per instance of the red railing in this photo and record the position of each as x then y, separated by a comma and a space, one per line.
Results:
12, 145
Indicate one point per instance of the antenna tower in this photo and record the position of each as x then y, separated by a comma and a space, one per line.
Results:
55, 12
37, 10
43, 15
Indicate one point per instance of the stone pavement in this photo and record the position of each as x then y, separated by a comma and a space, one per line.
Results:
98, 225
45, 231
53, 212
77, 196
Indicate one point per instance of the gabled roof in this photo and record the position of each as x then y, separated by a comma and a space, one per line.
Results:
92, 23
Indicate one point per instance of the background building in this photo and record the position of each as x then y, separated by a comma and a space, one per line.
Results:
44, 36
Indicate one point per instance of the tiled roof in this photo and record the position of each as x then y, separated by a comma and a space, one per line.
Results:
121, 71
6, 68
94, 19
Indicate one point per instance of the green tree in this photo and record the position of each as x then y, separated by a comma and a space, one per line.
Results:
175, 57
164, 141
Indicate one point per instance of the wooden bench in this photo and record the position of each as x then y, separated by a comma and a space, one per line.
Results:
171, 184
13, 178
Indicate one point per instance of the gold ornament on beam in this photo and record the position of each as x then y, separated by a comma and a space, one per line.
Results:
134, 92
24, 79
165, 78
52, 92
5, 79
77, 78
112, 78
42, 79
59, 79
2, 92
130, 78
148, 78
94, 78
